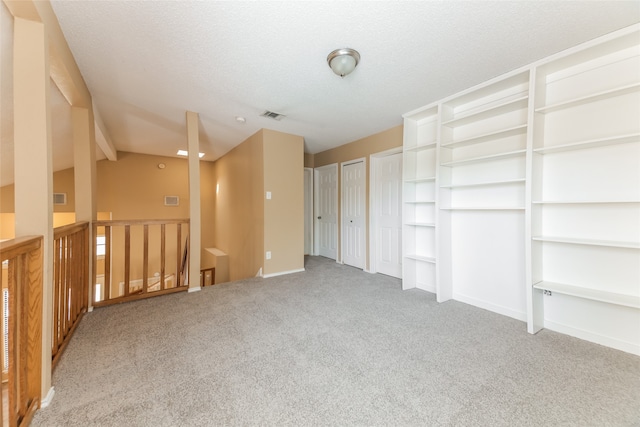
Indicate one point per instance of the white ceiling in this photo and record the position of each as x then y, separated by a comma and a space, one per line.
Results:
147, 62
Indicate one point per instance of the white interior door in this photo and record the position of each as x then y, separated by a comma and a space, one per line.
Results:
308, 211
353, 214
387, 205
326, 208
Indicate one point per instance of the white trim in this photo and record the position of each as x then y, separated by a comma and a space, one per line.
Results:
426, 288
282, 273
499, 309
362, 160
621, 345
373, 202
46, 401
312, 210
194, 289
90, 309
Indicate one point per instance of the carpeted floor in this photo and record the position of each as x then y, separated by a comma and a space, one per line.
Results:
331, 346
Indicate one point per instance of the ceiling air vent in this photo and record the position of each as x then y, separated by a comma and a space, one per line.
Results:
171, 200
271, 115
59, 198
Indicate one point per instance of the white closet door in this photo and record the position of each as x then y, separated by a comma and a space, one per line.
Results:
353, 214
388, 203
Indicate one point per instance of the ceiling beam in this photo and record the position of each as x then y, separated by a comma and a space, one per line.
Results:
102, 137
62, 65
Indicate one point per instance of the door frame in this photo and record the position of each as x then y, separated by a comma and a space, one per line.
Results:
316, 204
309, 189
375, 204
362, 160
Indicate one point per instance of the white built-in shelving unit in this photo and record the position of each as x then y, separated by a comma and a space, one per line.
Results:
420, 201
585, 184
522, 194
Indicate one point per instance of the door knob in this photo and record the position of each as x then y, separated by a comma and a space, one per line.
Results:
319, 217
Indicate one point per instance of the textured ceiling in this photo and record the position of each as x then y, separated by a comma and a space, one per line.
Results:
146, 62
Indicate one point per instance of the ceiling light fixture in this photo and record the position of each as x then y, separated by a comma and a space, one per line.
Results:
343, 61
185, 153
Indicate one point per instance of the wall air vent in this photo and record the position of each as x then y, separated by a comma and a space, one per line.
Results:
271, 115
59, 198
171, 200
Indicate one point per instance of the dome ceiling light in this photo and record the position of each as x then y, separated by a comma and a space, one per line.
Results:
343, 61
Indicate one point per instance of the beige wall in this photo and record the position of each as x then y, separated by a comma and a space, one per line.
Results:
365, 147
62, 183
239, 207
62, 214
134, 187
284, 213
308, 160
246, 224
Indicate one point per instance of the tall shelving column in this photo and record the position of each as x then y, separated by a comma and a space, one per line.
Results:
482, 153
419, 198
586, 192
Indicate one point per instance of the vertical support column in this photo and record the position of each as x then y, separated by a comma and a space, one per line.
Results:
33, 162
193, 145
84, 159
533, 213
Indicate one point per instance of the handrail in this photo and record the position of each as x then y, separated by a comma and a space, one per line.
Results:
68, 229
124, 265
140, 222
23, 260
71, 283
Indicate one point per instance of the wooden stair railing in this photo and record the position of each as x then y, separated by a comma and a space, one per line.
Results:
70, 283
22, 263
122, 271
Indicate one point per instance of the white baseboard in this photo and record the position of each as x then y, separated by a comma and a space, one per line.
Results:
90, 309
47, 399
282, 273
582, 334
505, 311
194, 289
425, 287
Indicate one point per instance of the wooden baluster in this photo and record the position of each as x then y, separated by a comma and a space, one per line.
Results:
145, 260
73, 278
56, 295
162, 254
94, 279
75, 281
12, 371
127, 258
84, 289
178, 253
23, 330
107, 263
66, 282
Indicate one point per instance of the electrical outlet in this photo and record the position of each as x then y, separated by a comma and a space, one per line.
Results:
268, 255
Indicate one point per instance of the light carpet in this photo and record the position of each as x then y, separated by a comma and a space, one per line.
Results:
331, 346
